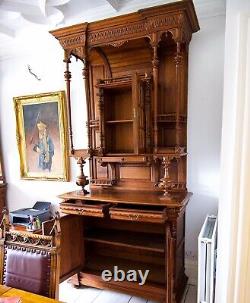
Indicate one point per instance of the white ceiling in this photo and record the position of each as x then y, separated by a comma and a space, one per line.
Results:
17, 16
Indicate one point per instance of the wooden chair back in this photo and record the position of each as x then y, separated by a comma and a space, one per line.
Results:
31, 262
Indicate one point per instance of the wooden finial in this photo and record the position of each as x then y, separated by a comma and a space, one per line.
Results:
82, 179
166, 182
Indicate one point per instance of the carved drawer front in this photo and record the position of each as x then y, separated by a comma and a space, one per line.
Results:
84, 208
139, 213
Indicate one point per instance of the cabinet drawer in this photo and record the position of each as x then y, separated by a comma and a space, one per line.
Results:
138, 213
84, 208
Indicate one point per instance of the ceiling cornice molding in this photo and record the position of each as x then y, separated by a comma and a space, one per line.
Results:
204, 8
115, 4
7, 31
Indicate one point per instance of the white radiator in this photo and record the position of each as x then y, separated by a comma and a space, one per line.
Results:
207, 243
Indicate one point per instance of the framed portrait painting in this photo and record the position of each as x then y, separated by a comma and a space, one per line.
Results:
42, 136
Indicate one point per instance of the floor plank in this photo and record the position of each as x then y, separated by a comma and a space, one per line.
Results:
108, 296
69, 294
185, 294
88, 295
137, 300
191, 294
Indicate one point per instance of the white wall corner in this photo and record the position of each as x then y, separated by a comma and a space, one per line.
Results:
191, 270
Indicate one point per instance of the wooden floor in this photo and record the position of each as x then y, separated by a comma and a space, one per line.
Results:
69, 294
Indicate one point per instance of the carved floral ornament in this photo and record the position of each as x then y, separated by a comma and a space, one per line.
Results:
73, 41
140, 28
75, 44
31, 239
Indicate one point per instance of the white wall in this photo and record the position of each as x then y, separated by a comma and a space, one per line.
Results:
206, 65
45, 57
233, 276
205, 98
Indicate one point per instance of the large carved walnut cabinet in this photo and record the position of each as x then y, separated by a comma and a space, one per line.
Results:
135, 72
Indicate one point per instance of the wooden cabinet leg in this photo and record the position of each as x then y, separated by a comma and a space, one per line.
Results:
169, 270
75, 280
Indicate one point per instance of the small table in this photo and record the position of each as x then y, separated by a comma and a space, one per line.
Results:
4, 289
26, 297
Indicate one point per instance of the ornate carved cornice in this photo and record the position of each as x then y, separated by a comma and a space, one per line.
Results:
124, 32
177, 18
72, 39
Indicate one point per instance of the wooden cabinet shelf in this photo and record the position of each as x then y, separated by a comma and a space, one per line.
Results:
168, 118
119, 121
140, 241
120, 138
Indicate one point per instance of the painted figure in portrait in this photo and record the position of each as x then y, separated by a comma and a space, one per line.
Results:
41, 124
44, 147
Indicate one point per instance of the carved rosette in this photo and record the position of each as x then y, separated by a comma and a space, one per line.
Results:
118, 43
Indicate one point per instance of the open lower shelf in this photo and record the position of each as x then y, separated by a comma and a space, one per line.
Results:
99, 263
137, 240
153, 291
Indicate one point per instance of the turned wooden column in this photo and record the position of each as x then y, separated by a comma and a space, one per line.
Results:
67, 76
148, 117
178, 63
102, 121
85, 74
155, 65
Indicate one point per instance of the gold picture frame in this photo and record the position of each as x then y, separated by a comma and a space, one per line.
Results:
41, 124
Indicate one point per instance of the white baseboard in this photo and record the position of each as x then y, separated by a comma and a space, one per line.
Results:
191, 269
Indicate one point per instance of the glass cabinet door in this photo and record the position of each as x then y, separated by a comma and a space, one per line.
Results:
123, 114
